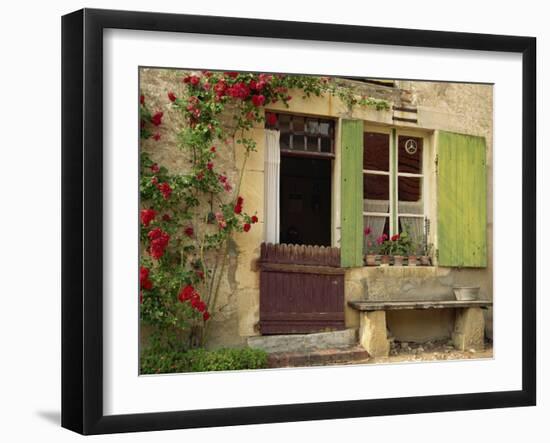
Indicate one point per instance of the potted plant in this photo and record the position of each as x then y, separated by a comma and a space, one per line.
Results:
398, 245
385, 249
370, 257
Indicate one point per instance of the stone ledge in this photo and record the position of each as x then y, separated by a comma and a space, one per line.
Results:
304, 342
353, 354
397, 305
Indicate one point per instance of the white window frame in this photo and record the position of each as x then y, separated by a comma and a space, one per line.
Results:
394, 133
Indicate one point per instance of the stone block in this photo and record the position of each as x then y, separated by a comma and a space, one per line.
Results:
469, 329
372, 333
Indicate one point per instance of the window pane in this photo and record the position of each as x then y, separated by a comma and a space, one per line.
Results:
297, 124
298, 142
324, 128
378, 226
409, 189
284, 122
376, 151
312, 126
284, 141
409, 155
414, 226
376, 187
312, 144
326, 144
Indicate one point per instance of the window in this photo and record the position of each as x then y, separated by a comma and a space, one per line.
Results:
393, 182
306, 135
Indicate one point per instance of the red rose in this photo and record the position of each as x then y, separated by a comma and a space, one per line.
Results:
240, 200
254, 219
165, 190
141, 99
194, 80
155, 168
205, 315
200, 176
210, 166
220, 88
144, 282
395, 237
213, 149
156, 119
186, 293
159, 242
156, 137
367, 230
238, 209
189, 231
271, 119
258, 100
246, 227
147, 215
201, 306
239, 90
172, 96
154, 180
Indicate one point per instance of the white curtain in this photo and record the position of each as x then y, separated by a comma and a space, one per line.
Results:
272, 185
375, 223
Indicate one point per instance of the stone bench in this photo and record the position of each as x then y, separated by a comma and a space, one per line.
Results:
469, 327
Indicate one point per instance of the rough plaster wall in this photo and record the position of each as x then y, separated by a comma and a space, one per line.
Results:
155, 85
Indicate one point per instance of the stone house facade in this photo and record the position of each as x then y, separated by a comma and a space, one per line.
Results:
423, 120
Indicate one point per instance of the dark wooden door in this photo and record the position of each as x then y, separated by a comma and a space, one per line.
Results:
301, 289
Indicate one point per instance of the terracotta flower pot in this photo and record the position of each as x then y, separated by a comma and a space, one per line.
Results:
425, 260
398, 260
385, 259
371, 259
413, 260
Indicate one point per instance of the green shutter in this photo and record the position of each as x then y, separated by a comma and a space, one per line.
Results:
351, 243
461, 200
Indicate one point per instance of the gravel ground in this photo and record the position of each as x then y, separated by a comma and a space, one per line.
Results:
430, 351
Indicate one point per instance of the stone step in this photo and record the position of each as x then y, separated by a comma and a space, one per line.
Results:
353, 354
304, 342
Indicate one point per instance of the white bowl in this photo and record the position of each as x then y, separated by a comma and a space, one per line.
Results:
466, 292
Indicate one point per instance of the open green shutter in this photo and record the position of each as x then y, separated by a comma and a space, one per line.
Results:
351, 243
461, 200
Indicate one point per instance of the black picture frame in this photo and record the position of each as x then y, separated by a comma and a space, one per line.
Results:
82, 215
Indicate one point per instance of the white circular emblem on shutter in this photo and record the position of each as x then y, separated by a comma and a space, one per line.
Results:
411, 146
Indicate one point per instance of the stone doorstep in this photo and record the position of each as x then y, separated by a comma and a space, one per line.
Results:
352, 354
301, 343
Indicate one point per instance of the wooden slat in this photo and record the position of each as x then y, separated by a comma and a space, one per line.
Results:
300, 255
399, 305
352, 193
462, 200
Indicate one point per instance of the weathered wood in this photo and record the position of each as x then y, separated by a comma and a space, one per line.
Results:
301, 289
462, 200
352, 193
301, 269
300, 254
399, 305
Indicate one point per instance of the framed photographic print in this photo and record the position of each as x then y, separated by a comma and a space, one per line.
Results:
271, 221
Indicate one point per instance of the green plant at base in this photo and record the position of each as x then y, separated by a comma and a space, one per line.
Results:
155, 361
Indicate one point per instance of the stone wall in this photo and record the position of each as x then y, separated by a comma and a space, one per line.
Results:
454, 107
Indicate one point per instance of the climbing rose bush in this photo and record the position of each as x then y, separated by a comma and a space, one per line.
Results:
188, 219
